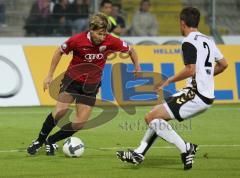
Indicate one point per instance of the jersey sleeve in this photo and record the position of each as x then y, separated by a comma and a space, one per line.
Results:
68, 45
119, 46
189, 53
217, 53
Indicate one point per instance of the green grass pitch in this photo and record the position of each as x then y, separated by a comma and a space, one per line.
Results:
216, 131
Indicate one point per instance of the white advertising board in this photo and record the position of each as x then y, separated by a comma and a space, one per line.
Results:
16, 84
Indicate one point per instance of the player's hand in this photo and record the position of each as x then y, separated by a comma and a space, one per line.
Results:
137, 71
46, 83
161, 85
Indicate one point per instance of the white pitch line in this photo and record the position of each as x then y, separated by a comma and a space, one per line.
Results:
116, 148
169, 147
10, 151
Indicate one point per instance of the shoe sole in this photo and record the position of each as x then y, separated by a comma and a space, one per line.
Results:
123, 160
196, 148
120, 158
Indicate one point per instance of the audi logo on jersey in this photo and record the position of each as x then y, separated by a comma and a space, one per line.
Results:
91, 57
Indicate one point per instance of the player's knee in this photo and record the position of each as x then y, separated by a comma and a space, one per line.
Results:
148, 117
78, 125
59, 113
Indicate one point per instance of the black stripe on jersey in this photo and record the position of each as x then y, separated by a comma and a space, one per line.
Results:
189, 53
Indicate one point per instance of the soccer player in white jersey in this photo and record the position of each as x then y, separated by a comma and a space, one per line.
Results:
199, 54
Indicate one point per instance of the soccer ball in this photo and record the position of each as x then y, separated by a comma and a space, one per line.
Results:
73, 147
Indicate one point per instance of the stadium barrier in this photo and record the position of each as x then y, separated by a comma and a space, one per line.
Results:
118, 86
157, 40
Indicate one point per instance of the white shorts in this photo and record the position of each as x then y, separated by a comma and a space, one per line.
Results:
186, 104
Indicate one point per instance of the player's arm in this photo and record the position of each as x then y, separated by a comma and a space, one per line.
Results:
220, 66
189, 58
65, 48
221, 62
120, 46
134, 57
55, 60
188, 71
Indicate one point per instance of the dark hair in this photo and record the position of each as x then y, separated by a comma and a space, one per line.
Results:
118, 5
191, 16
105, 2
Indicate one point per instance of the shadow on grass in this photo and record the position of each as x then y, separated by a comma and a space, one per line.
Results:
158, 162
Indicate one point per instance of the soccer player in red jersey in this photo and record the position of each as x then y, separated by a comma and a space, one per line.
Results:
81, 80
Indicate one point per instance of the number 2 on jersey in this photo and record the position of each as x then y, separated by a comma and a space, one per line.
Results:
207, 63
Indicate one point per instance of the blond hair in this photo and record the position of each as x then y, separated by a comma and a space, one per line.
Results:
99, 21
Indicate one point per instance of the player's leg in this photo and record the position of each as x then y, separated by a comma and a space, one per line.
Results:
59, 112
181, 106
50, 122
85, 95
148, 139
150, 135
158, 126
61, 108
83, 112
137, 156
182, 109
157, 120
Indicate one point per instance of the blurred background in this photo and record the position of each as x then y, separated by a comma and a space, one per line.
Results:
56, 18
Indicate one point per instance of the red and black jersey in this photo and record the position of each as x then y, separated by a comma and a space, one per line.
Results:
88, 59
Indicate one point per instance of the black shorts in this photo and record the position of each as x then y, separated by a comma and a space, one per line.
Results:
81, 92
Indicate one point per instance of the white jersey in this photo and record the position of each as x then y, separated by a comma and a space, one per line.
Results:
204, 50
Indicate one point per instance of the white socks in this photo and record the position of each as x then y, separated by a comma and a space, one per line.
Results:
143, 145
145, 141
164, 130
